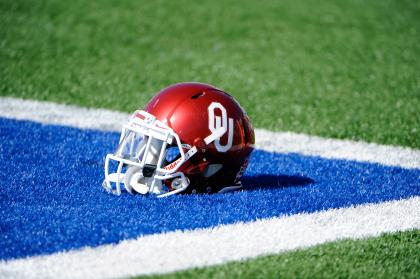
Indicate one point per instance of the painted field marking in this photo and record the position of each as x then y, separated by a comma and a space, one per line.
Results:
160, 253
281, 142
203, 247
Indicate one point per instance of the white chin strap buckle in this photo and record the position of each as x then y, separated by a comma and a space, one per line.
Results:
134, 179
135, 182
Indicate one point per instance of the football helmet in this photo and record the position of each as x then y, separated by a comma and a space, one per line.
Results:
191, 138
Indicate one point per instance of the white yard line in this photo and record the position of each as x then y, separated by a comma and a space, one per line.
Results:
162, 253
66, 115
281, 142
288, 142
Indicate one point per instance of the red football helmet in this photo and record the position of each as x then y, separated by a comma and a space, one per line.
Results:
192, 137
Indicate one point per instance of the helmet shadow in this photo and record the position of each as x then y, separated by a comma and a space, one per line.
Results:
251, 183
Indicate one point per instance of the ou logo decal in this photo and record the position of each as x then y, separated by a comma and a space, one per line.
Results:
219, 126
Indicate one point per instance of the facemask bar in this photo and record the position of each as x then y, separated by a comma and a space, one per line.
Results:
151, 129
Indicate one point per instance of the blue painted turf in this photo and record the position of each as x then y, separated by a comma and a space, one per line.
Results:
51, 197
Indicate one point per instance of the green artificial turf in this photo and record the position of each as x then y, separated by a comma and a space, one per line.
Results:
389, 256
344, 69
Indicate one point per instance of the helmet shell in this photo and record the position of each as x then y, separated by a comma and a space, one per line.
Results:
187, 109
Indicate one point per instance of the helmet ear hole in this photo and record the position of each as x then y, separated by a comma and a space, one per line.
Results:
198, 95
212, 169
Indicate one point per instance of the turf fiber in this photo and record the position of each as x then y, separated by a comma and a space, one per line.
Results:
51, 199
344, 69
394, 255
